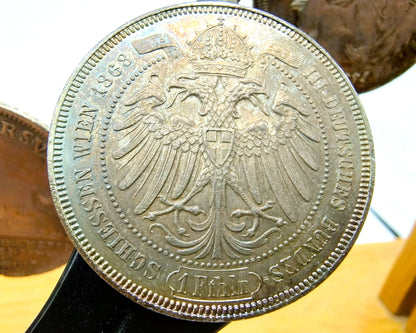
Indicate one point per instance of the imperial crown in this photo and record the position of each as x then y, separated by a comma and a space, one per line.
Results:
220, 50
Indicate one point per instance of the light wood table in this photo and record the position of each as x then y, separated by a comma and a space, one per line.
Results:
21, 299
346, 302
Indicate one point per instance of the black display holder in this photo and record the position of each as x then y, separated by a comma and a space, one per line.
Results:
83, 302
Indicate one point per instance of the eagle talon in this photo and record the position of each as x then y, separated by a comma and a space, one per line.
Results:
269, 204
195, 210
257, 212
175, 207
181, 231
249, 233
237, 213
164, 200
150, 217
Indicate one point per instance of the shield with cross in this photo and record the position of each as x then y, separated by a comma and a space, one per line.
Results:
218, 143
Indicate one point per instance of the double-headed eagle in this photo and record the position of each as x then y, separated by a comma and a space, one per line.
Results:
180, 140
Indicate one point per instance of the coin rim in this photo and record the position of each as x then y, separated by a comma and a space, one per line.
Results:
25, 119
192, 310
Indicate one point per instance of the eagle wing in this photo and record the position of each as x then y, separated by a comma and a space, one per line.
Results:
281, 156
156, 153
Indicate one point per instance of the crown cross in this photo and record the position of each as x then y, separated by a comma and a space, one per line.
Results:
220, 50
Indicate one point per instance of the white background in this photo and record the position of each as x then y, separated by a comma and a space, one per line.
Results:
43, 41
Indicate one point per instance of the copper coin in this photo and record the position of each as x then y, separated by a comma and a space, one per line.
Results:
374, 41
285, 9
211, 162
32, 239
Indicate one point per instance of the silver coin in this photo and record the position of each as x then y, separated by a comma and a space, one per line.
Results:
211, 162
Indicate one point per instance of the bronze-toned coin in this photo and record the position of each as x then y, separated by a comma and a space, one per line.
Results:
285, 9
210, 161
32, 239
374, 41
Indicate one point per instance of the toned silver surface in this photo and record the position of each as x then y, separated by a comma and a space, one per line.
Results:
374, 41
32, 239
210, 162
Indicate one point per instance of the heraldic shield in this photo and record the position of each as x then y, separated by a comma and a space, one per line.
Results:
219, 143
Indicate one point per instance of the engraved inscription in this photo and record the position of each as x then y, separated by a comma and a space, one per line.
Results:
336, 112
113, 240
321, 86
83, 131
315, 244
25, 136
230, 284
304, 254
83, 179
120, 246
345, 168
343, 185
105, 80
7, 129
22, 253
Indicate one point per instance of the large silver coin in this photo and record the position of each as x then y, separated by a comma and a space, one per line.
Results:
211, 162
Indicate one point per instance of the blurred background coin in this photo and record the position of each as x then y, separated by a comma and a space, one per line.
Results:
374, 41
32, 239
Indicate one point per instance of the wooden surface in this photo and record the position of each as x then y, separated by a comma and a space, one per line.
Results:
21, 298
346, 302
411, 323
399, 290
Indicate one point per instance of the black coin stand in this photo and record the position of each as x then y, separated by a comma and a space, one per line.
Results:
83, 302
